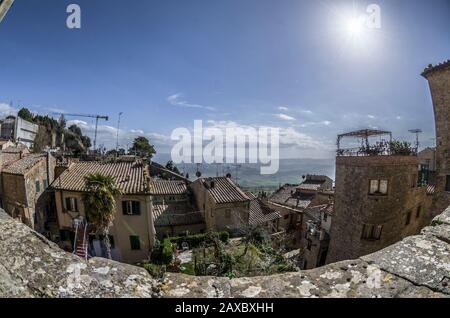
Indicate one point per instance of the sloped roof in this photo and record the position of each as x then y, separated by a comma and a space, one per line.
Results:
223, 190
129, 176
260, 213
316, 211
15, 149
310, 186
167, 187
22, 166
287, 196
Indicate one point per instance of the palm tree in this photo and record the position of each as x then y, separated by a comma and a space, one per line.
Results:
100, 205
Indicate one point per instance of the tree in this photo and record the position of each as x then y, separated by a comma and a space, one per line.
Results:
170, 166
25, 113
75, 140
142, 147
100, 205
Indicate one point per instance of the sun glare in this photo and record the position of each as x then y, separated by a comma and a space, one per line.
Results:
355, 27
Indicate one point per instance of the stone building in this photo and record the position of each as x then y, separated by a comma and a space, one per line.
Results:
24, 185
439, 81
174, 209
427, 166
377, 200
19, 130
132, 233
223, 204
316, 235
293, 201
5, 143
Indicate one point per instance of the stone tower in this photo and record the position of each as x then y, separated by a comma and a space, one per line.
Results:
377, 201
439, 80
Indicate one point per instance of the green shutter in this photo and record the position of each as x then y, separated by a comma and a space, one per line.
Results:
124, 207
135, 242
136, 205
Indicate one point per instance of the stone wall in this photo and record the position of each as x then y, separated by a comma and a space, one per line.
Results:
396, 212
439, 81
418, 266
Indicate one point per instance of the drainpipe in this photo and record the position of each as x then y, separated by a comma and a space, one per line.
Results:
48, 167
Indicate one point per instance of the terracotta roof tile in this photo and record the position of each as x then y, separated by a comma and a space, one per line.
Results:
166, 187
23, 165
260, 213
223, 190
129, 176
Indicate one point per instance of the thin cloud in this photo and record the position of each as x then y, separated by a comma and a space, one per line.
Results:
7, 110
285, 117
176, 100
283, 108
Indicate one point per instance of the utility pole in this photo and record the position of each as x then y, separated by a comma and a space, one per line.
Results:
417, 132
117, 137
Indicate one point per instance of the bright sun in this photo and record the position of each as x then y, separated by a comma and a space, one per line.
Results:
355, 27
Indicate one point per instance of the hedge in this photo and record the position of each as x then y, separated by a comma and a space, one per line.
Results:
167, 252
196, 239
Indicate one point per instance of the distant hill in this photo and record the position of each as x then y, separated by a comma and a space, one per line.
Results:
249, 177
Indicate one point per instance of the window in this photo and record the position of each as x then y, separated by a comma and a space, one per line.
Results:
131, 207
325, 217
413, 180
408, 218
419, 210
371, 232
309, 244
135, 242
228, 213
38, 186
45, 184
72, 204
286, 216
378, 187
447, 184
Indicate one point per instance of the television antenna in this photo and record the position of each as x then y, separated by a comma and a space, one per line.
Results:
417, 132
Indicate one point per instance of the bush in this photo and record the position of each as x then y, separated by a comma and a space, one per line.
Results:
167, 252
400, 148
224, 236
196, 240
153, 269
187, 268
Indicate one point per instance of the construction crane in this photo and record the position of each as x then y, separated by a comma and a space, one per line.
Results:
97, 117
4, 7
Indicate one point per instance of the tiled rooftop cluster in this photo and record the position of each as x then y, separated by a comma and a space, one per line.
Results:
168, 187
261, 213
22, 166
223, 190
129, 176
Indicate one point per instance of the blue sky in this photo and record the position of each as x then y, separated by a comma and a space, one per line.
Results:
285, 63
